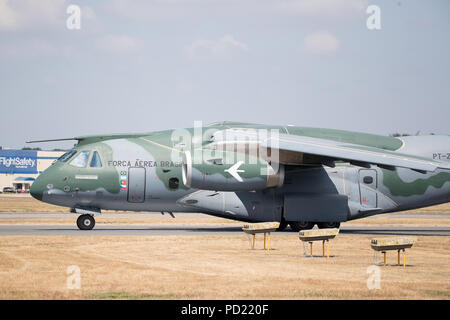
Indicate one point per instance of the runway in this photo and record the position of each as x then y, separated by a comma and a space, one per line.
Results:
158, 230
198, 227
57, 215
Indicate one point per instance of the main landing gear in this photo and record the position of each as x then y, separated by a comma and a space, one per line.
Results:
301, 225
326, 225
85, 222
306, 225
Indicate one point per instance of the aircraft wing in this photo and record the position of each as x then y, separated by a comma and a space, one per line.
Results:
329, 151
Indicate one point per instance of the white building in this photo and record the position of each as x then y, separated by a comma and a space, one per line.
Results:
19, 168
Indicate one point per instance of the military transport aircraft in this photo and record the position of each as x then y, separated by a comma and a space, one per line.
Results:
298, 176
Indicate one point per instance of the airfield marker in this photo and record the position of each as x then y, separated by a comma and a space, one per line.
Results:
323, 235
399, 244
263, 227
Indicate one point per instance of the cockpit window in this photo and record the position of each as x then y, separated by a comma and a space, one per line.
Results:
66, 156
96, 162
80, 160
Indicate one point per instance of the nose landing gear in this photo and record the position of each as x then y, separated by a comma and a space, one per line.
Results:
85, 222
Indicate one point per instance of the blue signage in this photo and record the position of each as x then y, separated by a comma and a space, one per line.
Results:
18, 161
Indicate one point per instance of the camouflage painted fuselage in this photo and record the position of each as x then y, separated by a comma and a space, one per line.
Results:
138, 174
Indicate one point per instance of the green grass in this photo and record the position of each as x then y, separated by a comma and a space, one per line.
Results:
438, 293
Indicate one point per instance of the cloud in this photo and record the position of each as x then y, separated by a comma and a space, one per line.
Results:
118, 44
326, 8
8, 17
245, 9
33, 14
41, 47
224, 48
322, 42
20, 14
30, 48
88, 13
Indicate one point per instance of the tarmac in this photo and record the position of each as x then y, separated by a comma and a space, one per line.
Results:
194, 229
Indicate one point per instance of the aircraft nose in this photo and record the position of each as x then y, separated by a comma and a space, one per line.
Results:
37, 188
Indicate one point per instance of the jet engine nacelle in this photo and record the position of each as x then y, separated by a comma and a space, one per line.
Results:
229, 172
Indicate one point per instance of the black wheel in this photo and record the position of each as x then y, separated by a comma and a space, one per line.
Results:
326, 225
301, 225
85, 222
283, 225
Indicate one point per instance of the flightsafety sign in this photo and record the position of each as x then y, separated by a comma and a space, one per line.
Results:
18, 161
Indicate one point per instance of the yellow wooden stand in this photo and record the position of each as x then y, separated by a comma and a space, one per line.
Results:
323, 248
263, 227
323, 235
386, 244
266, 240
398, 257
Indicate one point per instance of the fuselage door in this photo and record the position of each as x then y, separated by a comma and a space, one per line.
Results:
136, 184
368, 187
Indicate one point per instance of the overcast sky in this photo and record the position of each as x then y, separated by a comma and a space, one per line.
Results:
140, 66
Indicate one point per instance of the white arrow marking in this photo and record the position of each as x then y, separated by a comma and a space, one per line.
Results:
234, 171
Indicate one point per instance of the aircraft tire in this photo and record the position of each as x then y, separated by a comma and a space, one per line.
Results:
85, 222
301, 225
326, 225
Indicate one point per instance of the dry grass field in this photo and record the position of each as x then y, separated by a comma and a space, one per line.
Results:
214, 267
25, 203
